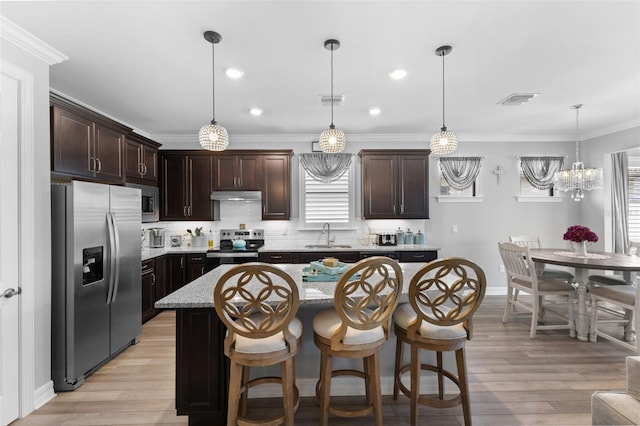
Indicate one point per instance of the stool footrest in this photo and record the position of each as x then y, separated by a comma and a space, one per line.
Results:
434, 401
273, 421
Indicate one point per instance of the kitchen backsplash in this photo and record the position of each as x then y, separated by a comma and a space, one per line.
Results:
234, 213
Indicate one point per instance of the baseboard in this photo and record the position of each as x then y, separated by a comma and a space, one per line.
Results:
340, 386
43, 394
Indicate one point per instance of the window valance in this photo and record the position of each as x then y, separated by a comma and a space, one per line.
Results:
324, 167
460, 172
539, 171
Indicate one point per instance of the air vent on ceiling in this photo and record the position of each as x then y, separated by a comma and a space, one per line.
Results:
517, 99
325, 100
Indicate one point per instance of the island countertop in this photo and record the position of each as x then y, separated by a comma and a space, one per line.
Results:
199, 293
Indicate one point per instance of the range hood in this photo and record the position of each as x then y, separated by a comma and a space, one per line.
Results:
236, 195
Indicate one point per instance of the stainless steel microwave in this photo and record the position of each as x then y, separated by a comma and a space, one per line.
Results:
150, 202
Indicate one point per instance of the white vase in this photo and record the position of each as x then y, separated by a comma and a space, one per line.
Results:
580, 248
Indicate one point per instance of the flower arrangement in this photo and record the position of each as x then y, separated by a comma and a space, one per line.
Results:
579, 233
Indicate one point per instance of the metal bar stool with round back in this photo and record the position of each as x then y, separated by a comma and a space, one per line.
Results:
365, 298
258, 302
443, 296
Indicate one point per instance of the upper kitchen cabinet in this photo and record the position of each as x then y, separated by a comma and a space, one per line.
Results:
395, 184
237, 172
186, 185
141, 164
276, 185
85, 144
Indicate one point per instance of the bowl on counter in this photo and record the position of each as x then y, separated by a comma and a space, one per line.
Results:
176, 240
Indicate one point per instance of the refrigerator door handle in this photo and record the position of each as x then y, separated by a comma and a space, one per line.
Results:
112, 258
116, 279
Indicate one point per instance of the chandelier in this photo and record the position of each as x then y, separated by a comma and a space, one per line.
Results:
444, 142
212, 136
332, 140
578, 179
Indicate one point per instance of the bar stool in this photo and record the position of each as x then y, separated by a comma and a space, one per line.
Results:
258, 302
365, 297
443, 296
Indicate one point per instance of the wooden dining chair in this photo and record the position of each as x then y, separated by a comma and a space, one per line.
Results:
258, 302
618, 304
365, 297
533, 242
521, 276
443, 296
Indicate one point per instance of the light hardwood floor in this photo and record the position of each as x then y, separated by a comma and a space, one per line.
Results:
513, 381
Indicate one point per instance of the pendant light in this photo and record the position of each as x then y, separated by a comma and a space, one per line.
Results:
578, 179
212, 136
444, 142
332, 140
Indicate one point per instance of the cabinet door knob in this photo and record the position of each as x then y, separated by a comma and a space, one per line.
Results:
184, 211
92, 164
153, 279
99, 165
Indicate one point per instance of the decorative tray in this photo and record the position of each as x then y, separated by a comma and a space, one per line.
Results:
336, 270
310, 274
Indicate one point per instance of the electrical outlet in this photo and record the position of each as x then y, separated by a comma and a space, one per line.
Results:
454, 229
501, 268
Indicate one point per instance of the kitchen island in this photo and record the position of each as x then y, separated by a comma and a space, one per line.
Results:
201, 366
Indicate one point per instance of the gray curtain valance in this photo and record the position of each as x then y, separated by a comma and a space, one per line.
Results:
539, 171
460, 172
324, 167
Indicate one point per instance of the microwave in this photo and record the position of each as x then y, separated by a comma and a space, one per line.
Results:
150, 202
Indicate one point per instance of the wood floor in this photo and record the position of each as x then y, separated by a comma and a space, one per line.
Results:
513, 381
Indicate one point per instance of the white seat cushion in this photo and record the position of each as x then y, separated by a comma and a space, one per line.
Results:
326, 322
267, 344
405, 316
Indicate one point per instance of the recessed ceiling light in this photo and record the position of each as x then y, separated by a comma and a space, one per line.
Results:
398, 74
255, 111
375, 111
233, 72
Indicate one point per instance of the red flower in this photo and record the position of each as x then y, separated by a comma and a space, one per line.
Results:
579, 233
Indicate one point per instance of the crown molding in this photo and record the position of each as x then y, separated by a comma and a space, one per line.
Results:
30, 43
612, 129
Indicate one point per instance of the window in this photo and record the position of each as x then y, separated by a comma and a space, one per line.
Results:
446, 189
634, 203
327, 202
459, 179
528, 190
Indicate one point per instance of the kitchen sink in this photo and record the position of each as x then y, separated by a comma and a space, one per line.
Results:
324, 246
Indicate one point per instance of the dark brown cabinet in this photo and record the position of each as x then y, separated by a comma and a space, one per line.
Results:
181, 269
141, 164
84, 144
277, 257
237, 172
343, 256
186, 185
195, 266
276, 186
395, 184
418, 256
148, 289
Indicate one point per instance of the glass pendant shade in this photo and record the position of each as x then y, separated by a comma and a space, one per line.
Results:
332, 140
578, 179
444, 142
213, 137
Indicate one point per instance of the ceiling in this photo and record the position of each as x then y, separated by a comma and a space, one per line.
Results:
147, 64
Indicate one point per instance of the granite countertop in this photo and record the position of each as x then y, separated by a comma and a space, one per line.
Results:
290, 246
199, 293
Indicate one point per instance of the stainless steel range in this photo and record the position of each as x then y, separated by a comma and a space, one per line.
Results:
227, 254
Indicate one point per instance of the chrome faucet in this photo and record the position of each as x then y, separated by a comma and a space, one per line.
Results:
326, 225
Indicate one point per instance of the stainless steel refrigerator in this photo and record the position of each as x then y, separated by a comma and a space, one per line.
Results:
96, 293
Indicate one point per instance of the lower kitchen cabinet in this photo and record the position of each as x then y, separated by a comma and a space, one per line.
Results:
347, 256
148, 290
343, 256
277, 257
181, 269
195, 266
418, 256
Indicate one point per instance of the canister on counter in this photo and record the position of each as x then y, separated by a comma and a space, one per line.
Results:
419, 238
408, 237
399, 236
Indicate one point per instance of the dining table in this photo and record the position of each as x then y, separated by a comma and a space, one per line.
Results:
582, 263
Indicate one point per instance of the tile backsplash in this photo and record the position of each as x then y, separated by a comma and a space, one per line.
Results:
249, 213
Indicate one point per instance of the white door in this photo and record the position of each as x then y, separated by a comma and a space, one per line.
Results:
9, 251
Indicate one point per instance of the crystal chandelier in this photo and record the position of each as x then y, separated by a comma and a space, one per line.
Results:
444, 142
332, 140
212, 136
578, 179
